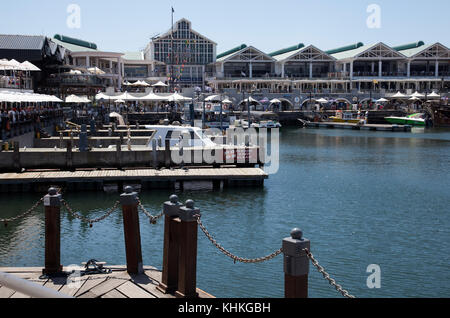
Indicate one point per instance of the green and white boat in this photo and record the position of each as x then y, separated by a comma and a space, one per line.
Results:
413, 120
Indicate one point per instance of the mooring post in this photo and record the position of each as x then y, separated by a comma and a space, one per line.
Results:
167, 154
69, 156
16, 156
296, 265
52, 206
154, 154
187, 268
119, 154
169, 281
129, 202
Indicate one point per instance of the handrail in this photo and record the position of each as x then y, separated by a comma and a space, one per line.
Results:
28, 288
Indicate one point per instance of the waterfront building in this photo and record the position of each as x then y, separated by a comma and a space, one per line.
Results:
184, 52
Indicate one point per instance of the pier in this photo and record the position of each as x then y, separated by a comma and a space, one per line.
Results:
178, 277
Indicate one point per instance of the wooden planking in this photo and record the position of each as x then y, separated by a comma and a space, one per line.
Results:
133, 291
114, 294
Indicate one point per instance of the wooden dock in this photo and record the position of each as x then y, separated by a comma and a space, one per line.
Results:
118, 284
372, 127
146, 178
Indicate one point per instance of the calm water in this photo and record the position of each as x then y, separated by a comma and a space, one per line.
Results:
361, 198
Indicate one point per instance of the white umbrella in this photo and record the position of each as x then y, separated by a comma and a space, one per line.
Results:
382, 100
75, 72
153, 97
275, 101
95, 70
120, 101
322, 101
227, 101
399, 95
27, 66
414, 98
104, 96
159, 84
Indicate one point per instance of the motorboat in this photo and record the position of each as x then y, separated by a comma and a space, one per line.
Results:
269, 124
342, 117
413, 120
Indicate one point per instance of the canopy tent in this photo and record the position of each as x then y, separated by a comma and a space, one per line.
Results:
27, 98
140, 83
127, 97
160, 84
400, 95
153, 97
418, 95
77, 99
434, 95
414, 98
105, 97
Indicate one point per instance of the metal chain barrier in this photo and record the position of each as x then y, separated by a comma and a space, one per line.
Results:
23, 215
153, 219
327, 276
90, 221
230, 255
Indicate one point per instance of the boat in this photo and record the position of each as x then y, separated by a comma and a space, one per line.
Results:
266, 124
342, 117
413, 120
196, 134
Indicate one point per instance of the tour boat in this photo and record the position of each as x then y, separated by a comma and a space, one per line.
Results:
345, 118
413, 120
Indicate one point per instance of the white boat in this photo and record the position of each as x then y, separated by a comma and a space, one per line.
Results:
196, 136
266, 124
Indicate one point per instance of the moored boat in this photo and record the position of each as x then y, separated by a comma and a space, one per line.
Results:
413, 120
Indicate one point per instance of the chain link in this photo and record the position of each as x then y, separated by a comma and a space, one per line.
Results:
153, 219
230, 255
23, 215
327, 276
90, 221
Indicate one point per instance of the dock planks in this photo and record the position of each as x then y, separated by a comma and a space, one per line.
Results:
118, 284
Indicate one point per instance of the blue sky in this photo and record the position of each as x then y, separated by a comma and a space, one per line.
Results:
121, 26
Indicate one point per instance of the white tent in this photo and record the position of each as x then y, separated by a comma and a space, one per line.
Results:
105, 97
399, 95
414, 98
127, 97
27, 98
159, 84
153, 97
77, 99
418, 95
434, 95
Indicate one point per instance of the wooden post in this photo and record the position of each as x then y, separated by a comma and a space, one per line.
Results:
52, 204
187, 268
16, 156
169, 281
296, 265
129, 202
167, 154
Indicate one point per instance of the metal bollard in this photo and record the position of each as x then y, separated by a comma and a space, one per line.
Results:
169, 281
296, 265
129, 202
187, 268
52, 205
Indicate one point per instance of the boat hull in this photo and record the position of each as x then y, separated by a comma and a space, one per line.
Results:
406, 121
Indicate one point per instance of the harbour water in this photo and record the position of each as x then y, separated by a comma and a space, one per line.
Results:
361, 198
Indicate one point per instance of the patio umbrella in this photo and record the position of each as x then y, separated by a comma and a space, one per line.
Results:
214, 98
275, 101
120, 101
382, 100
227, 101
322, 101
95, 70
27, 66
75, 72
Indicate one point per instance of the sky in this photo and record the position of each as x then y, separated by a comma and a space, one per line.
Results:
124, 26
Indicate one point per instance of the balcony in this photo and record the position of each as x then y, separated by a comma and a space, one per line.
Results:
74, 80
14, 82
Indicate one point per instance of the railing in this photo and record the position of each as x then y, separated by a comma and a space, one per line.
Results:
181, 224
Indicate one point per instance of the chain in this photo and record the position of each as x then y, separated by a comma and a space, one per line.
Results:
153, 219
28, 212
91, 222
327, 276
230, 255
